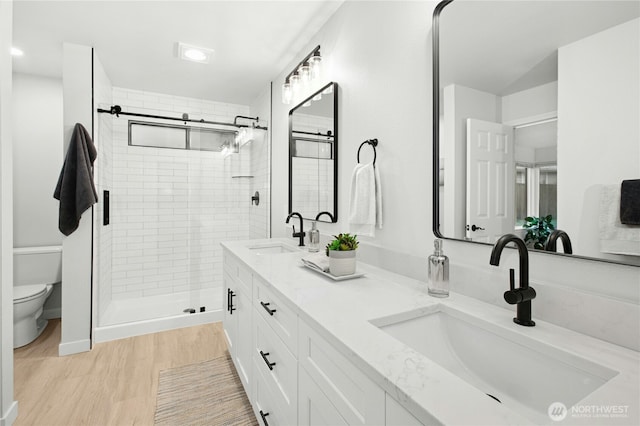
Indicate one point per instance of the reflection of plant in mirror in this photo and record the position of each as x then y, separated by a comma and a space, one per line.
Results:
343, 242
538, 230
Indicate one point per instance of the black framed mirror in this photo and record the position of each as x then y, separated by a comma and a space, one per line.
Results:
553, 86
313, 156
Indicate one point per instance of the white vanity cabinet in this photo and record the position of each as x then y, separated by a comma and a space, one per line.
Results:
357, 399
237, 319
292, 374
275, 365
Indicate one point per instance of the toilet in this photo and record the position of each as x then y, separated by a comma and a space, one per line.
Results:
36, 270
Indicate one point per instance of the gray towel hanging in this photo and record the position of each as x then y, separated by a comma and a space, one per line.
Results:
75, 189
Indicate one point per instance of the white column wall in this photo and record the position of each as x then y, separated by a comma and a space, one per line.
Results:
604, 68
8, 407
77, 247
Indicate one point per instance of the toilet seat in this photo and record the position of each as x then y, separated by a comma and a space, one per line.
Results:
23, 293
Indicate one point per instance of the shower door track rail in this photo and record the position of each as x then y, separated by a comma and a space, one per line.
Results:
117, 111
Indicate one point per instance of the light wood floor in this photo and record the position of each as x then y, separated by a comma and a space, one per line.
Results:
113, 384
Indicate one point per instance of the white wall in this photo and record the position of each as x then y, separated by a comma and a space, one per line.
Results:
379, 54
37, 154
77, 247
259, 216
539, 102
8, 407
604, 132
461, 103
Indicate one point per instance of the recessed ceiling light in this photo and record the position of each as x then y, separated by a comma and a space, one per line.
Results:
16, 52
194, 53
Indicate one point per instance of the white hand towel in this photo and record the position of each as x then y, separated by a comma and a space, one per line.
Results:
366, 200
614, 236
378, 197
319, 261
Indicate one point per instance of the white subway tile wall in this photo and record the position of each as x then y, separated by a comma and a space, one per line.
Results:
103, 175
171, 208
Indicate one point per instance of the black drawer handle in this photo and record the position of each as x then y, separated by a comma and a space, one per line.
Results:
264, 357
264, 417
266, 307
231, 295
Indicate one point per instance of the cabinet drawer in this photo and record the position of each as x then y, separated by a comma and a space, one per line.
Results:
282, 320
266, 403
358, 399
277, 365
315, 409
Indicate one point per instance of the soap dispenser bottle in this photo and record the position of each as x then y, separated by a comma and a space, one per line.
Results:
438, 279
314, 238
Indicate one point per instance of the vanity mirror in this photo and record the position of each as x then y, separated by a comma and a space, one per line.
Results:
536, 113
313, 156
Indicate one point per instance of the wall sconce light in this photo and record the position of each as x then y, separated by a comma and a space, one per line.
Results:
304, 73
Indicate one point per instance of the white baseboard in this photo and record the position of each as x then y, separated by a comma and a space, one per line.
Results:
10, 416
76, 347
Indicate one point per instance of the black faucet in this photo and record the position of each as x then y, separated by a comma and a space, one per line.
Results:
328, 214
300, 234
521, 296
550, 244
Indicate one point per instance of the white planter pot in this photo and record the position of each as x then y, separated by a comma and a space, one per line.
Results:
342, 262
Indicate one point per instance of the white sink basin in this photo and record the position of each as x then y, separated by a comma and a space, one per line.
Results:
272, 248
520, 372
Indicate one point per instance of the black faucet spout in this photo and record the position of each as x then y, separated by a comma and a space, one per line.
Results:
551, 243
301, 234
521, 296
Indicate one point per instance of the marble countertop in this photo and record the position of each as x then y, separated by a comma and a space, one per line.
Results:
342, 311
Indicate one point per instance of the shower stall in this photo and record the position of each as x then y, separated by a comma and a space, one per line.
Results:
174, 182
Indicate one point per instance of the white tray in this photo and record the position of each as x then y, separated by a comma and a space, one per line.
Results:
333, 277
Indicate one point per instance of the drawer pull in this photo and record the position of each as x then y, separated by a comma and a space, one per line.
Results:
266, 307
264, 417
230, 295
264, 357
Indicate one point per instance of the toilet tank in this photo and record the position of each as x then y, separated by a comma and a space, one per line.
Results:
37, 265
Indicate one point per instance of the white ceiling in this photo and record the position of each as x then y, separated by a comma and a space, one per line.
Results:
503, 47
136, 41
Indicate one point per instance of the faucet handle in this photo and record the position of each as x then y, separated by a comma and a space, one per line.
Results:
513, 297
512, 279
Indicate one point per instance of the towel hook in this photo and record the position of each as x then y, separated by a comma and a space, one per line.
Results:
373, 143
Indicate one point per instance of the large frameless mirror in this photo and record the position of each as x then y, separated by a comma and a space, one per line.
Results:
536, 118
313, 156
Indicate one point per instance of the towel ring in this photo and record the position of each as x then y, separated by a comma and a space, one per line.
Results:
373, 143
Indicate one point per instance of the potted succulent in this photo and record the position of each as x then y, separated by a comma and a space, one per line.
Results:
342, 254
538, 230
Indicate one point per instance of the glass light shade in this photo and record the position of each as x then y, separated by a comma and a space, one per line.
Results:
305, 73
307, 104
287, 93
328, 90
295, 83
317, 97
315, 63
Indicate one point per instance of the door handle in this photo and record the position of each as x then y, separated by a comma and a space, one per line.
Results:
475, 228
